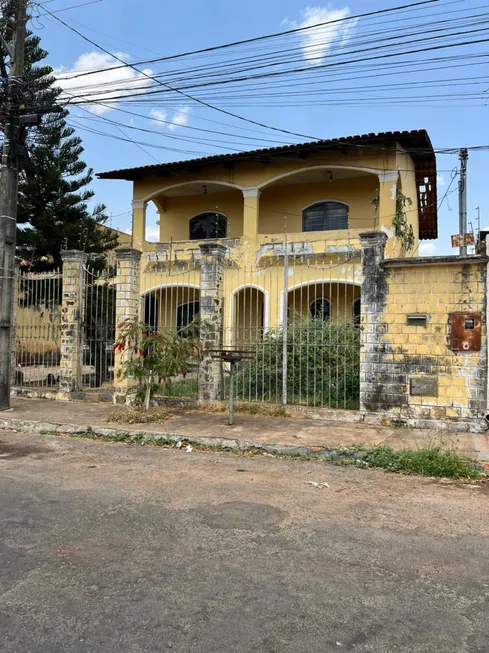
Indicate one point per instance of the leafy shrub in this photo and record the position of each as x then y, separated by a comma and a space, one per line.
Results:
152, 357
323, 365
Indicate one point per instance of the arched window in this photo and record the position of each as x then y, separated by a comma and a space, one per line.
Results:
356, 311
320, 308
325, 216
208, 225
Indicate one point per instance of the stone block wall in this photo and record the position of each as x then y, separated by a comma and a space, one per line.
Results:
411, 309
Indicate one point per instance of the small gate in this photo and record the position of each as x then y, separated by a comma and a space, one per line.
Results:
98, 327
36, 342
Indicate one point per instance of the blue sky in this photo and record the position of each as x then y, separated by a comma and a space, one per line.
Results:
141, 30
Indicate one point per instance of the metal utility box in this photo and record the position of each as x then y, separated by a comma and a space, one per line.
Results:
465, 331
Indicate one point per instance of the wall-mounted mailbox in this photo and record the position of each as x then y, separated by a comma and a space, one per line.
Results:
465, 331
417, 319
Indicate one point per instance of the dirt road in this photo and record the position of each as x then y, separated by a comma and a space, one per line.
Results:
126, 549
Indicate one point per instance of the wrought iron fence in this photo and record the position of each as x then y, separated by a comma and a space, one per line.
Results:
302, 318
37, 334
298, 314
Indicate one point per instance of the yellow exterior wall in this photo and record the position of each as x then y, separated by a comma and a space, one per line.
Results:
256, 198
407, 185
174, 219
278, 202
413, 352
256, 174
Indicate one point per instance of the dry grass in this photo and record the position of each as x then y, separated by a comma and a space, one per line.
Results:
248, 408
139, 416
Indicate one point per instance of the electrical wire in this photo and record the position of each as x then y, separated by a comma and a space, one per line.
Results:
198, 100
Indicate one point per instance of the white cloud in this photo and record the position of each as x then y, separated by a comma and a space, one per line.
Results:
179, 118
440, 180
102, 86
318, 41
159, 117
427, 249
153, 233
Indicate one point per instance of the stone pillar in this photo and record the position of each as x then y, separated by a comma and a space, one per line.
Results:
211, 317
72, 302
138, 224
387, 207
251, 213
128, 293
374, 292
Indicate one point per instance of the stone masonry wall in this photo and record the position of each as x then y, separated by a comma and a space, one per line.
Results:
409, 369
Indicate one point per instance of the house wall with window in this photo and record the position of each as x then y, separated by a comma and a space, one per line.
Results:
178, 211
312, 200
280, 202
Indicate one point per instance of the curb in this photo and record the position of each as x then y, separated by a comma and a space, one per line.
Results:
145, 437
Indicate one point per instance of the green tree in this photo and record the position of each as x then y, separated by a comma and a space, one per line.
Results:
53, 210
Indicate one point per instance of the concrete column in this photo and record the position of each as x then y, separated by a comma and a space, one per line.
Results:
387, 208
138, 224
128, 293
251, 213
72, 302
374, 292
211, 316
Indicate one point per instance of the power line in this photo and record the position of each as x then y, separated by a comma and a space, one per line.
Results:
261, 38
202, 102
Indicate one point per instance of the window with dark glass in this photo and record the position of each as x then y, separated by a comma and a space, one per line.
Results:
320, 309
325, 216
208, 225
186, 314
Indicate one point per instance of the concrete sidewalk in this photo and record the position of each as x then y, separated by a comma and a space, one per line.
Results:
265, 432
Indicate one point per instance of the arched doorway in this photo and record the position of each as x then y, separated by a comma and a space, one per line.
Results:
248, 315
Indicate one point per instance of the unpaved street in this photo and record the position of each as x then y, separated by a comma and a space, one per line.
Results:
123, 549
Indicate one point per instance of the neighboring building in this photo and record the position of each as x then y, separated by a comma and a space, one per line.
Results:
317, 197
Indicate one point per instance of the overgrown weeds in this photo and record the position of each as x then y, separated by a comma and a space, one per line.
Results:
427, 461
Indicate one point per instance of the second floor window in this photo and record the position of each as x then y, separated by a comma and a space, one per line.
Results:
208, 225
325, 216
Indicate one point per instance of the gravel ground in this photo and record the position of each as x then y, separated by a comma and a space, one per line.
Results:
124, 549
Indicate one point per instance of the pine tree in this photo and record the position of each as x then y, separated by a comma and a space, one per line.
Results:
53, 187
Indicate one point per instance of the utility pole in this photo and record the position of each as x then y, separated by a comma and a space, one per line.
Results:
462, 198
9, 174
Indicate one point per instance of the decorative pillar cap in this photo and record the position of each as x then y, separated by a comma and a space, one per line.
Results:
139, 204
212, 247
251, 192
372, 239
127, 254
74, 256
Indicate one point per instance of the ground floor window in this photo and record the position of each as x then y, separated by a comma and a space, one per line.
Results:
320, 308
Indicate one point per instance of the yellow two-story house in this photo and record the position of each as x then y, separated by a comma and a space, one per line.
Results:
289, 219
